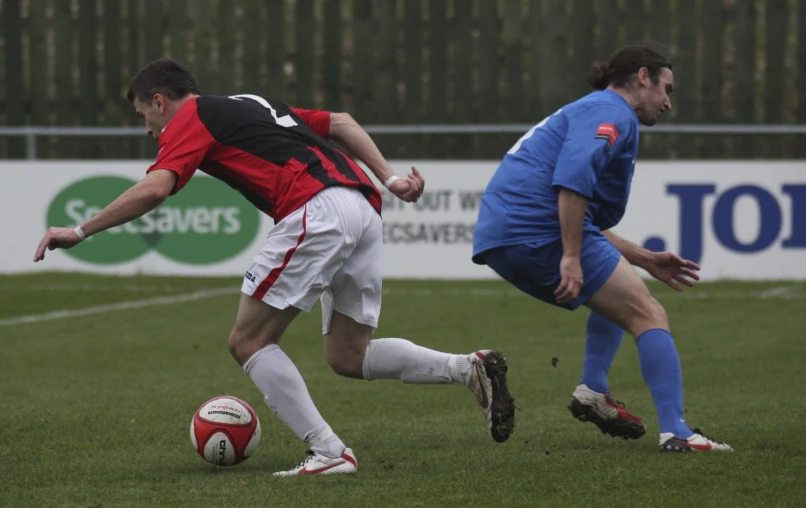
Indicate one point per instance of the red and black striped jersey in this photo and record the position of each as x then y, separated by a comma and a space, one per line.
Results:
276, 156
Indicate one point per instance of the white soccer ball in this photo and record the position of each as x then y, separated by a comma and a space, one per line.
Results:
225, 431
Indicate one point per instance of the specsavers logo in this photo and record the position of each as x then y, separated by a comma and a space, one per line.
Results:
207, 222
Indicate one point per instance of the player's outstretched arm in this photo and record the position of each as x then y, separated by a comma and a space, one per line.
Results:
634, 254
348, 133
140, 199
667, 267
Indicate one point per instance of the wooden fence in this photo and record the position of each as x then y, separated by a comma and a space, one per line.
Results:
68, 62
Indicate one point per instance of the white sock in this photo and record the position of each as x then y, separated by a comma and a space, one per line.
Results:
404, 360
284, 391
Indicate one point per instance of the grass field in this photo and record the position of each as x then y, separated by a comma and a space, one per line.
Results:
95, 408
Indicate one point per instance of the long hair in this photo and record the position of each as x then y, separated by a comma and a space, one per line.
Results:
626, 62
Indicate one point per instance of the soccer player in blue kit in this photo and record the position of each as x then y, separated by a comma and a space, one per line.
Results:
544, 226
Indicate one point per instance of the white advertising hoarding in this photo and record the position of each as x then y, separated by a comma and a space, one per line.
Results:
739, 219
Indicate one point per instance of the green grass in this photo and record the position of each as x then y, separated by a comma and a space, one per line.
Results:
94, 410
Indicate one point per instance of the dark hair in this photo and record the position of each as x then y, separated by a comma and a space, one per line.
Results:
165, 76
624, 63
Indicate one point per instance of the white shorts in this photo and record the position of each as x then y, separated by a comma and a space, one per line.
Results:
331, 248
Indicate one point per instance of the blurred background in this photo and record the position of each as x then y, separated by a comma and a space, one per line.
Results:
415, 63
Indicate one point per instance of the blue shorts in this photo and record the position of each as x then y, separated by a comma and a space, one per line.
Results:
536, 270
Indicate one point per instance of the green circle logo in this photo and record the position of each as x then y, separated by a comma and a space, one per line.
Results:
79, 202
207, 222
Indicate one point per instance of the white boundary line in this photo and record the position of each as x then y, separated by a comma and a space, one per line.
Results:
794, 292
133, 304
122, 288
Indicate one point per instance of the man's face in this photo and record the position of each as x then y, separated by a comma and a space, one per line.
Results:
654, 96
154, 113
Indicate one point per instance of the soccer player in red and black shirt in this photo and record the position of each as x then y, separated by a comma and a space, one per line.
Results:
326, 243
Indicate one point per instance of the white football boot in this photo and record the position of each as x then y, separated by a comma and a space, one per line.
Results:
487, 379
698, 441
606, 412
317, 464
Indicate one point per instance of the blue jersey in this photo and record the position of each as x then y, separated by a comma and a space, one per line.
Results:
588, 146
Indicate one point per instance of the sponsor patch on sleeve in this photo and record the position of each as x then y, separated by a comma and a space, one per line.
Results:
609, 132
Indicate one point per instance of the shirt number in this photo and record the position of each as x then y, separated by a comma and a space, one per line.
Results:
517, 145
283, 121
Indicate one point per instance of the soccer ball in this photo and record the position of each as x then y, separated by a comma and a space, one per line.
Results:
225, 431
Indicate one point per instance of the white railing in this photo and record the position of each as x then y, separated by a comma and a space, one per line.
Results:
31, 133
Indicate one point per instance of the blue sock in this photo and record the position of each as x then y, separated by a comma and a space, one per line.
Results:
660, 367
604, 339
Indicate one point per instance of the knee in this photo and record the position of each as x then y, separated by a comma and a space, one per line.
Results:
235, 344
347, 363
656, 314
242, 347
650, 315
347, 368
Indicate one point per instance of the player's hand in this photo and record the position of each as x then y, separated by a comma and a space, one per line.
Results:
56, 238
570, 279
670, 268
409, 189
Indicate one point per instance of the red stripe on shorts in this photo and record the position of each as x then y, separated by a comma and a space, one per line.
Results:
269, 281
